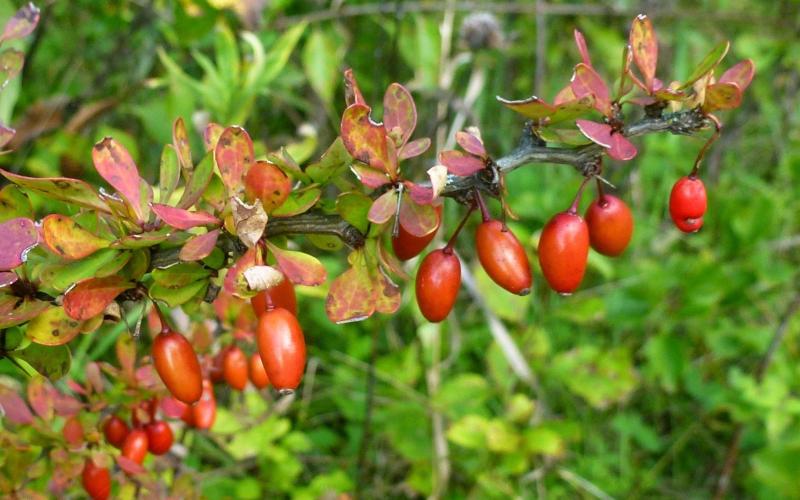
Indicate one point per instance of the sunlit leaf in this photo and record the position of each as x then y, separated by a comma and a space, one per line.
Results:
383, 208
53, 327
199, 247
333, 163
269, 184
352, 93
298, 202
471, 143
365, 140
414, 148
115, 165
301, 268
585, 81
234, 155
65, 238
399, 114
599, 133
18, 236
386, 294
211, 135
421, 195
183, 219
722, 96
60, 188
90, 297
351, 295
15, 310
644, 48
532, 107
22, 24
183, 149
741, 74
621, 148
460, 163
709, 62
368, 176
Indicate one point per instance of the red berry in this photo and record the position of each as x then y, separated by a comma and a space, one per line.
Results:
503, 257
204, 412
282, 348
437, 285
234, 368
216, 371
688, 203
407, 246
96, 480
610, 225
268, 183
178, 367
116, 430
135, 446
144, 412
159, 437
258, 374
563, 250
280, 295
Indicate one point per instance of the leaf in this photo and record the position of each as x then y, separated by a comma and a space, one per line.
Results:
250, 221
709, 62
142, 240
460, 163
334, 161
15, 311
288, 164
569, 110
471, 143
6, 134
301, 268
129, 466
563, 136
585, 81
199, 247
175, 297
621, 148
580, 41
322, 56
383, 208
115, 165
22, 24
235, 282
61, 277
61, 188
722, 96
183, 149
18, 236
41, 395
419, 220
599, 133
532, 107
211, 135
169, 173
354, 208
183, 219
53, 327
180, 275
644, 48
421, 195
90, 297
14, 407
298, 202
52, 362
125, 349
386, 294
352, 93
8, 278
368, 176
197, 183
65, 238
11, 62
365, 140
414, 148
741, 74
399, 114
234, 155
351, 296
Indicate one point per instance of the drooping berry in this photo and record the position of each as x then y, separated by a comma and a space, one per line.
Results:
437, 284
258, 374
116, 430
135, 446
177, 365
688, 203
280, 295
159, 437
610, 225
407, 246
282, 348
204, 412
503, 257
563, 250
234, 368
96, 480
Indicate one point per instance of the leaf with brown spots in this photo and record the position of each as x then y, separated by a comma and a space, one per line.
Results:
65, 238
72, 191
234, 156
365, 140
14, 203
90, 297
211, 135
268, 183
115, 165
53, 327
15, 310
301, 268
52, 362
386, 294
180, 140
722, 96
17, 236
644, 48
351, 295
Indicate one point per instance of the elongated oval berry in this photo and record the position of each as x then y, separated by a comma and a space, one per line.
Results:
258, 374
115, 430
688, 203
135, 445
563, 250
437, 284
159, 437
282, 348
204, 412
178, 367
407, 246
96, 480
280, 295
234, 368
610, 225
503, 257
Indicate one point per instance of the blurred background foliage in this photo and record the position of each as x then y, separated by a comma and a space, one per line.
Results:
639, 384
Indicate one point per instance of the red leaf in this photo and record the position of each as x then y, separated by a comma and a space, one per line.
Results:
351, 296
722, 96
532, 107
14, 312
125, 348
644, 48
14, 407
61, 188
90, 297
42, 395
18, 236
471, 143
211, 135
180, 139
199, 247
419, 220
365, 140
183, 219
564, 95
399, 114
421, 195
414, 148
369, 176
66, 406
580, 41
585, 81
459, 163
741, 74
22, 24
115, 165
235, 283
301, 268
352, 93
383, 208
234, 156
129, 466
621, 148
599, 133
65, 238
94, 380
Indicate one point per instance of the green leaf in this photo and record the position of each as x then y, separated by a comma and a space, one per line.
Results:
174, 297
170, 173
102, 262
276, 58
298, 202
333, 163
180, 275
53, 327
354, 208
14, 203
201, 176
469, 432
52, 362
462, 395
322, 57
543, 441
709, 62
